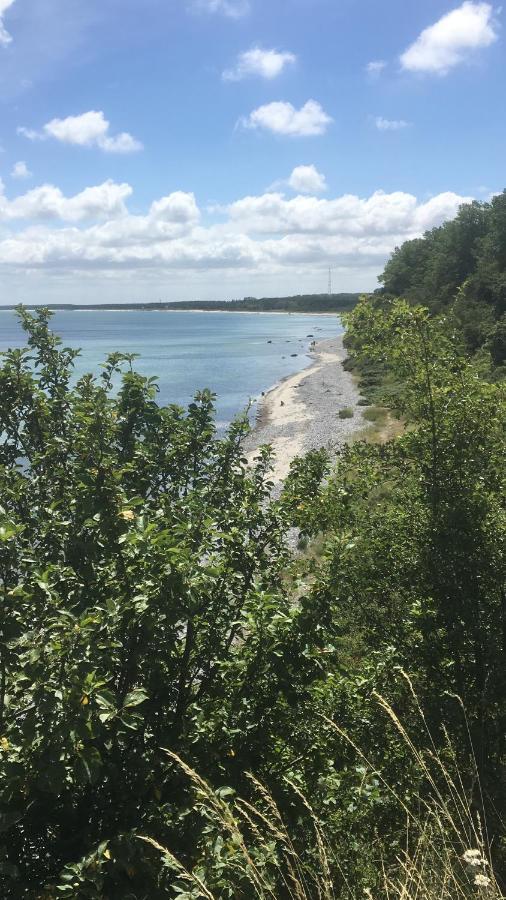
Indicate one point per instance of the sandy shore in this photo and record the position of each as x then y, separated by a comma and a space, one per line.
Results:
252, 312
302, 412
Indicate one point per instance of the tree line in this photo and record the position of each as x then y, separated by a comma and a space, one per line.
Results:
302, 303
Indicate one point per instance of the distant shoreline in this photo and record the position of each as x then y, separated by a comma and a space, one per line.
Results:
297, 304
127, 309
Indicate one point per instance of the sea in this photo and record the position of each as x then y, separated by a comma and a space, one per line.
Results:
235, 355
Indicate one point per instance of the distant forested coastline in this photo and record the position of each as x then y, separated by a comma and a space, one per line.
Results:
301, 303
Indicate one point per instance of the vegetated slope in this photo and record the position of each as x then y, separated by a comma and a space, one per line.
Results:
460, 267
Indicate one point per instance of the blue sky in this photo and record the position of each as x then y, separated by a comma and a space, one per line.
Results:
208, 149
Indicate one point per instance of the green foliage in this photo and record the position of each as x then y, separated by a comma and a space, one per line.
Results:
346, 413
376, 414
459, 267
446, 480
497, 342
138, 559
302, 303
149, 602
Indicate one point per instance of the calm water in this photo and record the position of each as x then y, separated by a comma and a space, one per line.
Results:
226, 352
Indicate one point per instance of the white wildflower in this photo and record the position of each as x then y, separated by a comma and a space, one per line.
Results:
481, 880
473, 858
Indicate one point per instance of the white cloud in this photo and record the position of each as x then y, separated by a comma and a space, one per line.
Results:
438, 209
272, 213
282, 118
5, 37
233, 9
265, 63
264, 237
375, 67
48, 202
91, 129
30, 133
307, 180
20, 170
383, 124
179, 208
451, 39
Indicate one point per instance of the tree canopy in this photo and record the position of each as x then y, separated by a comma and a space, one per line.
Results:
461, 265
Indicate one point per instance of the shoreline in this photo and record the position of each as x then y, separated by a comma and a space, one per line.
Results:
228, 312
301, 412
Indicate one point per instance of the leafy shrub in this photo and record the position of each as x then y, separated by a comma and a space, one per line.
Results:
375, 414
138, 556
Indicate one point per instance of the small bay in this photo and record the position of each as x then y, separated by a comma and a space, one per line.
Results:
235, 355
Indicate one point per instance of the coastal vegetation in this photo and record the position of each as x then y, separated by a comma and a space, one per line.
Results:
188, 710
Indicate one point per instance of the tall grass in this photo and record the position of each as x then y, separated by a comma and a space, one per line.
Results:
446, 853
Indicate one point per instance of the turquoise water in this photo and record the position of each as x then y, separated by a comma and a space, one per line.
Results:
226, 352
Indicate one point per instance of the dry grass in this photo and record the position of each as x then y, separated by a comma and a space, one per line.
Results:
384, 429
446, 852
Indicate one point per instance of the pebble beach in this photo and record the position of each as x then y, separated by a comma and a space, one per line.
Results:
301, 413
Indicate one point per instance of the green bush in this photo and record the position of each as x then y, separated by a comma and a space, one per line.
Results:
375, 414
138, 556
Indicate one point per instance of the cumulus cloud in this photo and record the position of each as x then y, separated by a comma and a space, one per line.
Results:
5, 37
397, 213
307, 180
383, 124
264, 63
452, 39
232, 9
259, 235
48, 202
375, 67
282, 118
90, 129
437, 210
20, 171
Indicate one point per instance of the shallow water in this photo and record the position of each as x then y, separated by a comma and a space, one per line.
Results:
229, 353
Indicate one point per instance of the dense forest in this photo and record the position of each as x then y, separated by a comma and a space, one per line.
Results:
306, 303
190, 710
460, 267
302, 303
